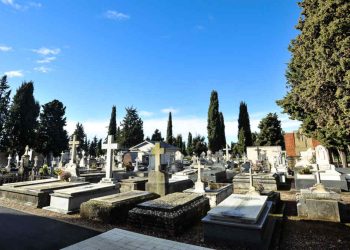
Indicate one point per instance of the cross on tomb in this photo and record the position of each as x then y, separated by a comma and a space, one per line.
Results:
227, 155
157, 151
74, 145
26, 150
109, 146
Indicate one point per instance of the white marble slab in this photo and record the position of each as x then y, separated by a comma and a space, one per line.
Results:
239, 208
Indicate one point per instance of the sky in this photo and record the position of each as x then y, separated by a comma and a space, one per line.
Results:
157, 56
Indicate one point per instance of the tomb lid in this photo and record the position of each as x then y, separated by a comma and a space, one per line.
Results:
115, 198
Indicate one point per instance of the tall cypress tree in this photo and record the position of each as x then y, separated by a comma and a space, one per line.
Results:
112, 129
52, 137
244, 124
222, 131
169, 131
189, 144
22, 122
4, 110
214, 125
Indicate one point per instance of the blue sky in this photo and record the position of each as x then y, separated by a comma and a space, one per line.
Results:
154, 55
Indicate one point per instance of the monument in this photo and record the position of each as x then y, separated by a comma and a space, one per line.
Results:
158, 180
72, 167
109, 146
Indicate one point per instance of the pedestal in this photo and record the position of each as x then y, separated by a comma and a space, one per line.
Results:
158, 182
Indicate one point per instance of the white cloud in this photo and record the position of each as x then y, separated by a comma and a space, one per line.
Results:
145, 113
42, 69
14, 73
46, 51
91, 128
167, 110
12, 4
5, 48
47, 59
116, 15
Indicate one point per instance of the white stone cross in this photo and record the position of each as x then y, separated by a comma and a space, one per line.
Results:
199, 185
157, 151
109, 146
74, 145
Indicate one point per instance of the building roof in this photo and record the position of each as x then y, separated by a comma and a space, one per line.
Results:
153, 143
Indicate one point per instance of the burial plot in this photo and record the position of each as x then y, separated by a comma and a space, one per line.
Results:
114, 208
133, 183
242, 220
171, 214
36, 194
69, 200
241, 182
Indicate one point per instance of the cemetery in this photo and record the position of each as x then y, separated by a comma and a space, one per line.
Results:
276, 177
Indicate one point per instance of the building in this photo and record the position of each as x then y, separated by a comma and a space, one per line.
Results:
296, 142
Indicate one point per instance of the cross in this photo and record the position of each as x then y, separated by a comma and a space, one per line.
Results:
318, 176
157, 151
74, 145
199, 172
26, 150
109, 146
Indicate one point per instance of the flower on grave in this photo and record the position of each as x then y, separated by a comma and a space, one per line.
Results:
65, 176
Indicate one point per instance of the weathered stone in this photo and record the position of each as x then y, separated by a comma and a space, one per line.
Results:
114, 208
133, 183
36, 194
171, 214
241, 182
158, 182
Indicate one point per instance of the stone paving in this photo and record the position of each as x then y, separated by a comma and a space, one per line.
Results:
122, 239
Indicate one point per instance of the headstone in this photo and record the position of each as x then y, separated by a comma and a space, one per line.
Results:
227, 153
179, 156
109, 146
61, 164
72, 166
8, 167
158, 180
199, 185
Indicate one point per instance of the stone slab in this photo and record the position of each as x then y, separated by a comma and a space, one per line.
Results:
172, 213
245, 235
114, 208
332, 182
133, 183
239, 208
126, 240
36, 194
27, 183
241, 182
68, 200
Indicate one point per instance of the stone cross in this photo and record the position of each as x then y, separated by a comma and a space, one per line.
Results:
26, 150
109, 146
157, 151
227, 156
8, 167
36, 159
258, 150
74, 145
199, 185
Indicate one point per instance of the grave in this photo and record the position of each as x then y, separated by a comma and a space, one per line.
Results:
317, 203
27, 183
171, 214
69, 200
72, 167
133, 183
109, 146
36, 194
241, 182
240, 220
158, 181
187, 174
114, 208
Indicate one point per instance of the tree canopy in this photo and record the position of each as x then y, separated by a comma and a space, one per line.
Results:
214, 126
132, 128
4, 110
244, 125
169, 131
270, 131
157, 136
112, 128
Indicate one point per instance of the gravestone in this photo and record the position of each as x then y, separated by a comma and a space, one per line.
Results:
72, 167
109, 146
158, 181
199, 185
8, 167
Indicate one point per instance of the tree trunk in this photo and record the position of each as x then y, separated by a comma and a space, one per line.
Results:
342, 154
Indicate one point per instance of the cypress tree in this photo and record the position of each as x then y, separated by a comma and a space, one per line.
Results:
244, 124
222, 131
52, 137
169, 131
214, 125
157, 136
179, 142
189, 144
112, 129
240, 146
4, 110
99, 148
22, 122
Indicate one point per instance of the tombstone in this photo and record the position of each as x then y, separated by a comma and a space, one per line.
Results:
109, 146
194, 159
61, 163
179, 156
82, 163
17, 161
227, 153
158, 181
24, 161
137, 161
8, 167
36, 165
72, 166
127, 161
199, 185
322, 157
120, 159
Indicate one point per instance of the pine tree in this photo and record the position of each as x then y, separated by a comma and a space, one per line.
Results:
179, 141
22, 121
93, 147
132, 133
214, 125
157, 136
189, 144
4, 110
270, 131
112, 129
169, 131
318, 78
52, 137
244, 124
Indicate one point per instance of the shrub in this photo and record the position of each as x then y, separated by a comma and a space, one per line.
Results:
65, 176
305, 171
44, 170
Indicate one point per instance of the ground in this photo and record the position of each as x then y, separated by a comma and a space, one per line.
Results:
290, 232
